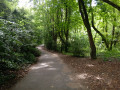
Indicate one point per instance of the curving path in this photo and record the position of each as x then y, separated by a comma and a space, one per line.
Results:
50, 73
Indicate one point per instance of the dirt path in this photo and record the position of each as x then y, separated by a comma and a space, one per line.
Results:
50, 73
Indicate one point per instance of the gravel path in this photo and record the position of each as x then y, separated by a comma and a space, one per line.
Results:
50, 73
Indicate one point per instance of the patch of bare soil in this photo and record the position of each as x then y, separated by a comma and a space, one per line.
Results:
96, 74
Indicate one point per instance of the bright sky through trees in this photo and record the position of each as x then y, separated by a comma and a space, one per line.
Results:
28, 4
94, 3
25, 4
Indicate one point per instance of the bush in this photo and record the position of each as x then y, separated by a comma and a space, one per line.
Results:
36, 52
78, 46
109, 55
17, 47
49, 43
7, 65
30, 58
4, 77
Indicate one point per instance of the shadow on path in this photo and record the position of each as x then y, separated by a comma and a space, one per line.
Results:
50, 73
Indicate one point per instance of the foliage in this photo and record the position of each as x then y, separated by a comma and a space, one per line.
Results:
60, 20
16, 46
68, 26
17, 41
78, 45
110, 55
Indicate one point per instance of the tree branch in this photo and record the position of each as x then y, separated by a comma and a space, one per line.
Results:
112, 4
97, 31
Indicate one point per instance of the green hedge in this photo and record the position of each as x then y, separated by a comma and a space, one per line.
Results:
17, 48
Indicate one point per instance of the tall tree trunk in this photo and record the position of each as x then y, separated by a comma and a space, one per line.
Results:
66, 28
106, 28
84, 15
113, 33
54, 36
67, 21
60, 29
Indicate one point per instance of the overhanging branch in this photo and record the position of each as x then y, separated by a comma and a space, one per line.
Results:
112, 4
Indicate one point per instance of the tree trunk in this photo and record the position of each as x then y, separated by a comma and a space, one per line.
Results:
54, 36
66, 29
84, 15
67, 21
113, 33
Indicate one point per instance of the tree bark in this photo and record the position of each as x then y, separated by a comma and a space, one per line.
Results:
84, 15
54, 35
113, 33
66, 31
112, 4
67, 20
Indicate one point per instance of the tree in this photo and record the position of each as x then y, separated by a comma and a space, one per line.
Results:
112, 4
84, 15
97, 31
4, 10
60, 21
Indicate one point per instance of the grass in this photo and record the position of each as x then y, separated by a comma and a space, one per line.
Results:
108, 55
68, 53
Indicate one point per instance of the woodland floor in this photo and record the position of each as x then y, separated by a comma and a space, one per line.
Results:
55, 71
96, 75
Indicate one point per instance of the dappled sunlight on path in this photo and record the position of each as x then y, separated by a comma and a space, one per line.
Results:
50, 73
55, 71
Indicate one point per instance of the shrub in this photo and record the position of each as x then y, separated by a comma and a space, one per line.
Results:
78, 46
17, 47
107, 55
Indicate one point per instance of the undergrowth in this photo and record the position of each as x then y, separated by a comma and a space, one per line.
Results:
109, 55
17, 49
